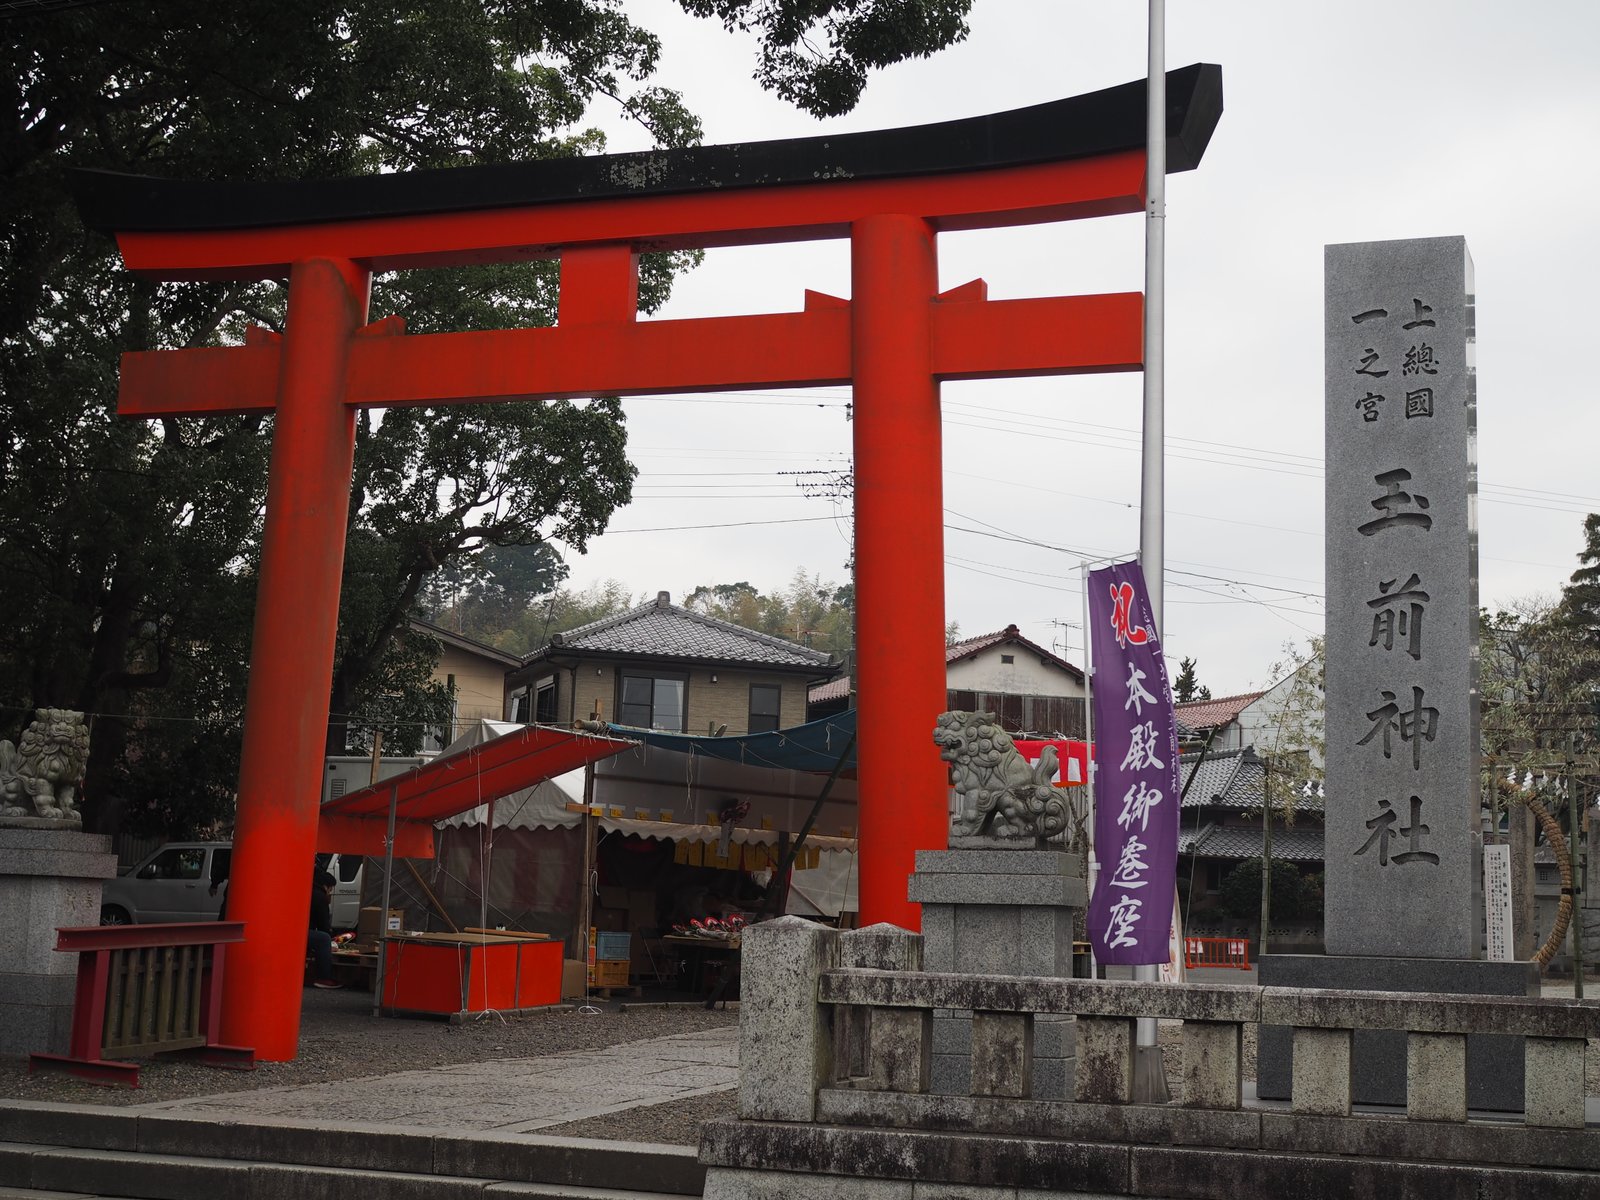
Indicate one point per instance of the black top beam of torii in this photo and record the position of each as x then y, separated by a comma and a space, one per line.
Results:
1086, 126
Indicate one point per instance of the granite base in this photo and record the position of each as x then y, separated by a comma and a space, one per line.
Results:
49, 879
1010, 911
1378, 1057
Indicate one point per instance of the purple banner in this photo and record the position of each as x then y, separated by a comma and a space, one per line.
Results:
1136, 773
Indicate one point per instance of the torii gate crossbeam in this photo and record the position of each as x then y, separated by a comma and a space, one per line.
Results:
894, 341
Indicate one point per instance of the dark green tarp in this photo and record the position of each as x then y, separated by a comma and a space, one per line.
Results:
815, 746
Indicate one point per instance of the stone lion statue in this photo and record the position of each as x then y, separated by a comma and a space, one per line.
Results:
1000, 791
39, 775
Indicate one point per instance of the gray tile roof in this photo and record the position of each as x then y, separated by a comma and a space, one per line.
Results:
662, 629
1224, 782
1301, 844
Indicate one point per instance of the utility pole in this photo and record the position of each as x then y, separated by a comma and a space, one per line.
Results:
1266, 855
1150, 1079
1575, 856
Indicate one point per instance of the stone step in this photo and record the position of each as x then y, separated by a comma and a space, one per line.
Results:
135, 1153
59, 1171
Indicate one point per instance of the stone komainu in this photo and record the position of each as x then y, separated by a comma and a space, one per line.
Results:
1010, 797
39, 775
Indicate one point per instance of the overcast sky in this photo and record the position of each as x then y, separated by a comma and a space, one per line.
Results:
1343, 122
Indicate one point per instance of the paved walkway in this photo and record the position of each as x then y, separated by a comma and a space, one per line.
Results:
517, 1095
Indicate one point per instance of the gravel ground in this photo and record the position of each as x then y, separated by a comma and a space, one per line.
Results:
340, 1040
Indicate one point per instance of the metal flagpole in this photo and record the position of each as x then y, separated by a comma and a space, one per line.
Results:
1150, 1081
1091, 866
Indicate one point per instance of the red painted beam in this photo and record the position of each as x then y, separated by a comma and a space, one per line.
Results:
366, 835
78, 938
1086, 187
971, 340
1058, 335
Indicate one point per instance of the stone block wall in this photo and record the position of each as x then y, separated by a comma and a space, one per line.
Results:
49, 879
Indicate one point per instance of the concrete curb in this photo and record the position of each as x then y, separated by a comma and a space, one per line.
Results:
110, 1150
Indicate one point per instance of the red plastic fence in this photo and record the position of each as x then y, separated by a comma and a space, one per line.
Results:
1216, 952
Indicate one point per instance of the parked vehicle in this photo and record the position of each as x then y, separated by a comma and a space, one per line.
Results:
184, 881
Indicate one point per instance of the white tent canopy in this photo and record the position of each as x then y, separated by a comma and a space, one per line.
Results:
826, 888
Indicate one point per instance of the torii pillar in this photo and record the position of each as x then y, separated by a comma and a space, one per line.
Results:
897, 337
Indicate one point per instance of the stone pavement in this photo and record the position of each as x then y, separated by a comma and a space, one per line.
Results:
514, 1095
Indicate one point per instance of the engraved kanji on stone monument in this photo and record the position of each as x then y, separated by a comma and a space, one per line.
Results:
1401, 685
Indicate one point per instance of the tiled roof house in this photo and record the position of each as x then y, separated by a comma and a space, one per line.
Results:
1221, 714
660, 666
1220, 824
1027, 687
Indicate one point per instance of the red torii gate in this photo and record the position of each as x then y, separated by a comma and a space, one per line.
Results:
894, 340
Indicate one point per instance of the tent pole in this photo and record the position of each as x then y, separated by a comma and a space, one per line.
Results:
586, 897
488, 867
383, 913
788, 856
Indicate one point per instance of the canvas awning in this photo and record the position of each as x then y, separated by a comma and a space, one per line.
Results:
355, 822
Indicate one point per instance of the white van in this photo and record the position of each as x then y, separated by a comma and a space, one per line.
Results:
176, 884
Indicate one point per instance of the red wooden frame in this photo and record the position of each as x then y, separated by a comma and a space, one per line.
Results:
94, 945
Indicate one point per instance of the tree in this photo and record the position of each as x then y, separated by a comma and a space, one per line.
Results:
130, 546
1293, 739
816, 53
1240, 893
810, 611
138, 540
1186, 687
1535, 664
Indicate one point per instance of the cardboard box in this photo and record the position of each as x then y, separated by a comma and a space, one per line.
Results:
370, 925
572, 979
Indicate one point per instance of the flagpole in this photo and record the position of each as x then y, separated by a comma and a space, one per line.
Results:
1153, 482
1150, 1082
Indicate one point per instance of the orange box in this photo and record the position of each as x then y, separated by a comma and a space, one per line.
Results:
608, 972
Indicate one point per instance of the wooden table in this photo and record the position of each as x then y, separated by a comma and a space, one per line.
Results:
356, 968
453, 973
699, 952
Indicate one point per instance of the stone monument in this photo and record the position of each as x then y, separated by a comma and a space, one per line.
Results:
50, 873
1403, 871
1003, 900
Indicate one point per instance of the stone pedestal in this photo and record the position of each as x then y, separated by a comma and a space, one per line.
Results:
49, 878
999, 911
1378, 1057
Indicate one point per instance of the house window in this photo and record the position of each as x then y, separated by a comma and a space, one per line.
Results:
544, 702
766, 700
652, 702
1007, 659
